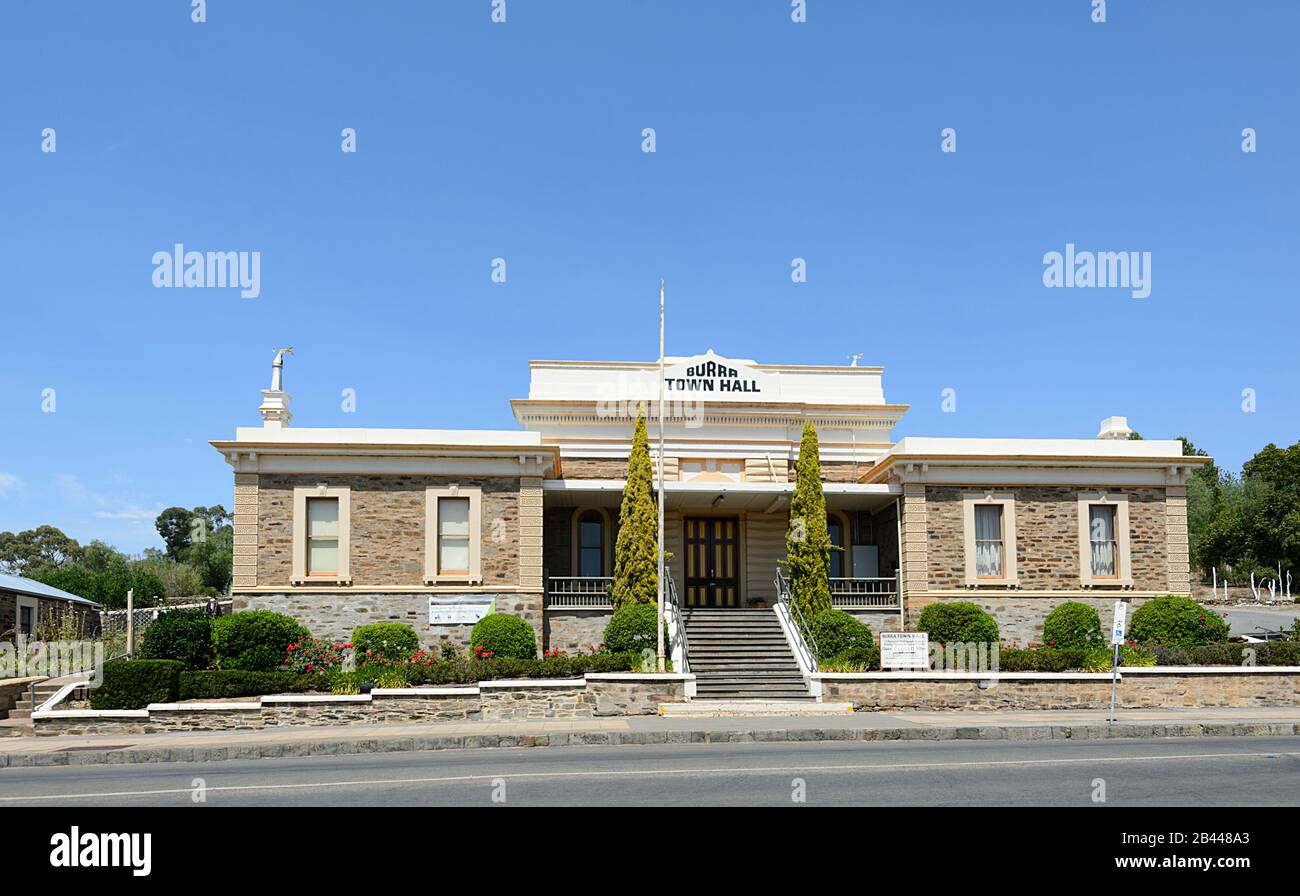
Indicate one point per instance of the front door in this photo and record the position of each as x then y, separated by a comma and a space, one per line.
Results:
712, 562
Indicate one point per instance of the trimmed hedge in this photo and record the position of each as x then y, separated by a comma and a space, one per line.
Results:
836, 631
1268, 653
134, 684
389, 641
1073, 624
218, 683
632, 629
957, 623
184, 635
1178, 622
255, 640
505, 636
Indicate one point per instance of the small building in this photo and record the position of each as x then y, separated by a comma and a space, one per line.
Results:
26, 605
343, 527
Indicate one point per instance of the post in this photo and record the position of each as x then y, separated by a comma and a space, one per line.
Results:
130, 622
1114, 684
660, 615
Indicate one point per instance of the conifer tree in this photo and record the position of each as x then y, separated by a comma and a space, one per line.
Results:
636, 573
807, 543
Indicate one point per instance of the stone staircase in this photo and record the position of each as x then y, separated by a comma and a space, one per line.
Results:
19, 720
741, 655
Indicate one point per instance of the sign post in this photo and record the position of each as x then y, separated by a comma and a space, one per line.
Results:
1116, 639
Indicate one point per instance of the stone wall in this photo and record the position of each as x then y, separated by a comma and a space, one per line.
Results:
1020, 618
336, 614
878, 620
48, 613
574, 630
1047, 538
1138, 689
388, 523
537, 699
594, 468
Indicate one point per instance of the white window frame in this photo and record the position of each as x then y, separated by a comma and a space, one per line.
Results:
1123, 559
474, 575
26, 600
321, 490
1007, 500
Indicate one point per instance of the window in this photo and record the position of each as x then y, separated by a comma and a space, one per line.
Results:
988, 541
835, 530
591, 543
322, 536
453, 536
1101, 537
1104, 540
321, 533
26, 620
989, 528
453, 533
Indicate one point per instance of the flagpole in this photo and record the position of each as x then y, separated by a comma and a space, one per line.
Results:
660, 614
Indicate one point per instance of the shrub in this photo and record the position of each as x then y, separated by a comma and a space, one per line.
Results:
1177, 621
134, 684
854, 659
957, 623
1100, 659
214, 684
836, 631
312, 655
633, 629
1043, 659
385, 641
184, 635
255, 640
1073, 624
505, 636
1268, 653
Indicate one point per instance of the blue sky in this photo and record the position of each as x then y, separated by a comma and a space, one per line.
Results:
522, 140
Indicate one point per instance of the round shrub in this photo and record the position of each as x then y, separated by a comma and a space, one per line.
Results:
632, 629
255, 640
505, 636
836, 631
1176, 621
958, 623
1071, 625
184, 635
386, 641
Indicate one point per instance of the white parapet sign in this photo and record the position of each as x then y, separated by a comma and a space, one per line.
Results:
459, 609
904, 650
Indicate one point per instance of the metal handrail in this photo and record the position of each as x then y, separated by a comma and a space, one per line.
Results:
796, 617
679, 621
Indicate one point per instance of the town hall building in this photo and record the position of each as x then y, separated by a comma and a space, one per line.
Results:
344, 527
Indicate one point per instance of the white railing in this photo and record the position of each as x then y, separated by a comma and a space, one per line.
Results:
864, 593
675, 627
579, 593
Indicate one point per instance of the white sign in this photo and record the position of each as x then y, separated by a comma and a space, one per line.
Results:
904, 650
1117, 629
712, 376
459, 609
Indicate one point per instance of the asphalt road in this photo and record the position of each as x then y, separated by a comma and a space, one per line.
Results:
1247, 621
1169, 772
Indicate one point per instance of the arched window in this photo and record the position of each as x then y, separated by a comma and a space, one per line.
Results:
835, 529
591, 543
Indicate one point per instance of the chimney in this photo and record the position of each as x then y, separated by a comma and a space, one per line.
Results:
1114, 428
275, 401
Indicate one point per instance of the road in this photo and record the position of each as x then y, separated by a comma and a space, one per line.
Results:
1168, 772
1247, 621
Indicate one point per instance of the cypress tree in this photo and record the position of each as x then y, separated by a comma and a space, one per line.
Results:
636, 572
807, 543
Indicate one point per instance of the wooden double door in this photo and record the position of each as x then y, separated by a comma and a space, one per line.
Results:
712, 561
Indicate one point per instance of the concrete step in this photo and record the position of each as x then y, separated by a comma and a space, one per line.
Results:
763, 707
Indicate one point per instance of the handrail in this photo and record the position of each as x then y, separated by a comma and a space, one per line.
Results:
865, 593
797, 620
679, 621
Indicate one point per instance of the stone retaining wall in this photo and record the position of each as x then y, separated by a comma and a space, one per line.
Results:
575, 630
1152, 688
597, 694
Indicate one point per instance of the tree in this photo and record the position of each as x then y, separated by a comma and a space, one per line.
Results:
43, 546
175, 525
636, 564
807, 543
212, 560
